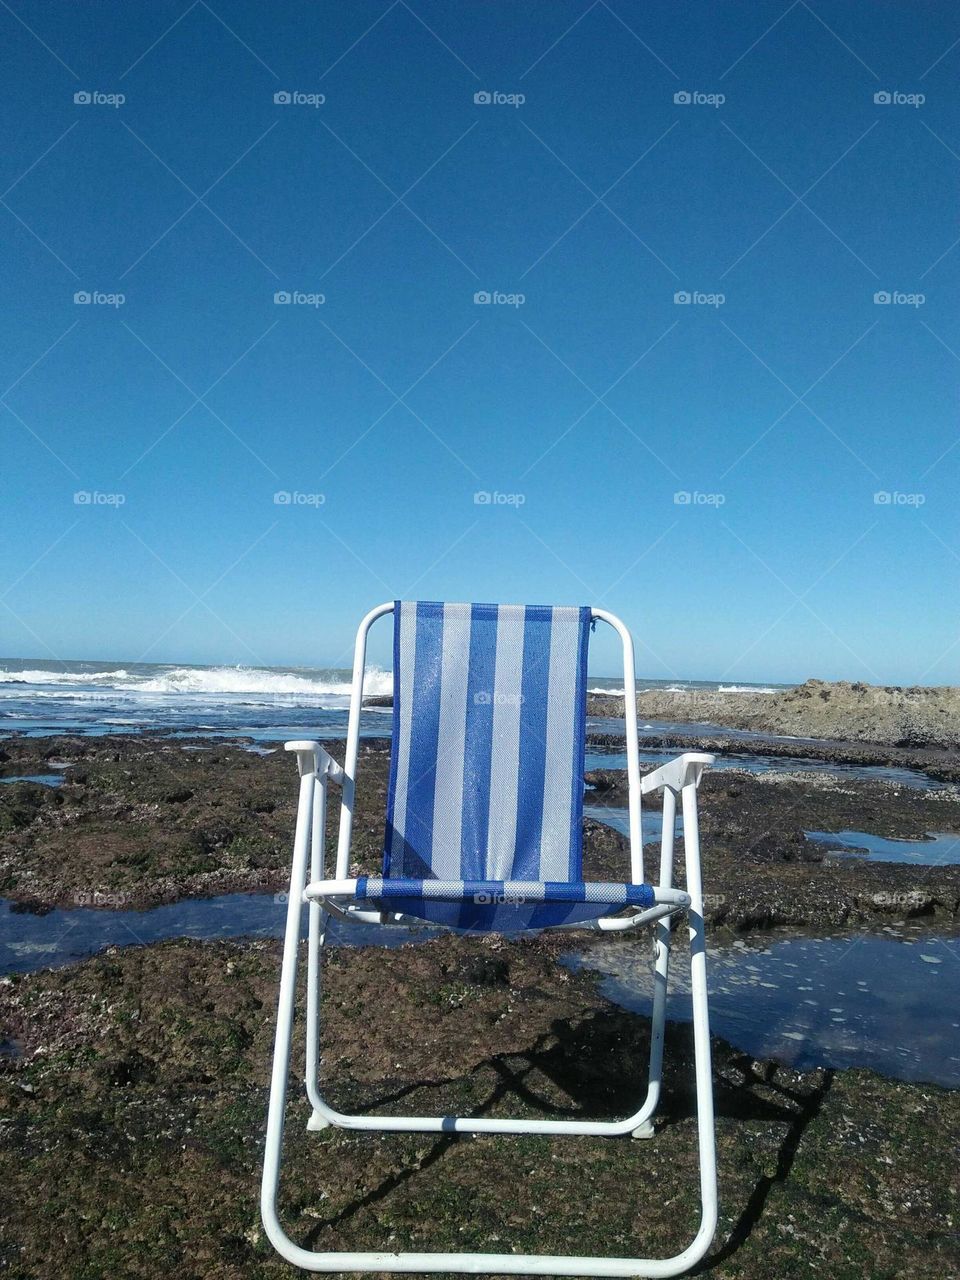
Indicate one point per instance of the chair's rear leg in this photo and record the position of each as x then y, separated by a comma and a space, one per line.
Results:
658, 1020
315, 940
661, 964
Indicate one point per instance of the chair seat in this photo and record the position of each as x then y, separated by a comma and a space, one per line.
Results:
503, 892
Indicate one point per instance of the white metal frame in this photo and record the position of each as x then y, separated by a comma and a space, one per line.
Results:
325, 898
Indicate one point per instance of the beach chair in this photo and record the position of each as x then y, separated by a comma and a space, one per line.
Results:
484, 833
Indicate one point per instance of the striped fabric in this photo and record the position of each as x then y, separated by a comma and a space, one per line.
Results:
486, 770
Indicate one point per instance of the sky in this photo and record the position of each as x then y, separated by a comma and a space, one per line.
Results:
649, 306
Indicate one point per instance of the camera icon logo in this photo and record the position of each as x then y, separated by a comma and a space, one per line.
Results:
882, 98
482, 298
282, 98
682, 498
482, 698
682, 298
83, 98
82, 298
882, 298
82, 497
483, 98
282, 298
882, 499
282, 498
682, 98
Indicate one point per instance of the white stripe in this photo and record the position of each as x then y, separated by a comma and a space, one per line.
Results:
558, 772
408, 654
505, 759
451, 742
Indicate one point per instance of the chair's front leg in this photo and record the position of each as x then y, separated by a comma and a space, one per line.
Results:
706, 1136
285, 1009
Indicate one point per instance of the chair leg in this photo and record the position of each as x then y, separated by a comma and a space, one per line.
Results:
658, 1020
315, 942
661, 945
273, 1144
316, 937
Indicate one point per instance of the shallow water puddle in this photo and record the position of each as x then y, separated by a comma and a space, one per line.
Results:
937, 849
889, 1001
44, 779
619, 820
31, 940
601, 758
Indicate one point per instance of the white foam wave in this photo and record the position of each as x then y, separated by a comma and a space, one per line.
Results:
212, 681
745, 688
58, 677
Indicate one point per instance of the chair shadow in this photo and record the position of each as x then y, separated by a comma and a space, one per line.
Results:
587, 1064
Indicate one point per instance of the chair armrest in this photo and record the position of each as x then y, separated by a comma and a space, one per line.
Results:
678, 773
312, 758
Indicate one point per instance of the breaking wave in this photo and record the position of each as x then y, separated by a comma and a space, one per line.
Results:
213, 682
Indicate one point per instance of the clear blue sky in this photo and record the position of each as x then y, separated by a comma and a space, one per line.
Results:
596, 400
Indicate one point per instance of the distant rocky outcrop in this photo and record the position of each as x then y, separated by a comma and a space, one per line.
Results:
908, 716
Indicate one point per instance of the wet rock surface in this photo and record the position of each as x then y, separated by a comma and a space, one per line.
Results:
150, 819
140, 821
759, 868
134, 1107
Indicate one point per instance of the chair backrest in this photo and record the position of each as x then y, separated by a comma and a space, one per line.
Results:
486, 767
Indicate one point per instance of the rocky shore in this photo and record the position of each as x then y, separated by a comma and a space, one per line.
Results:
918, 716
133, 1085
133, 1090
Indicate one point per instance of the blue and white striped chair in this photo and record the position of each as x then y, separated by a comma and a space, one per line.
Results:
484, 833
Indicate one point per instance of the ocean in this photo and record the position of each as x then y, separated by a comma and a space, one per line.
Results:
42, 697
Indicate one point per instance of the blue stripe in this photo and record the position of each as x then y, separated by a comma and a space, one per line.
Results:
478, 742
579, 743
423, 741
533, 739
394, 740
